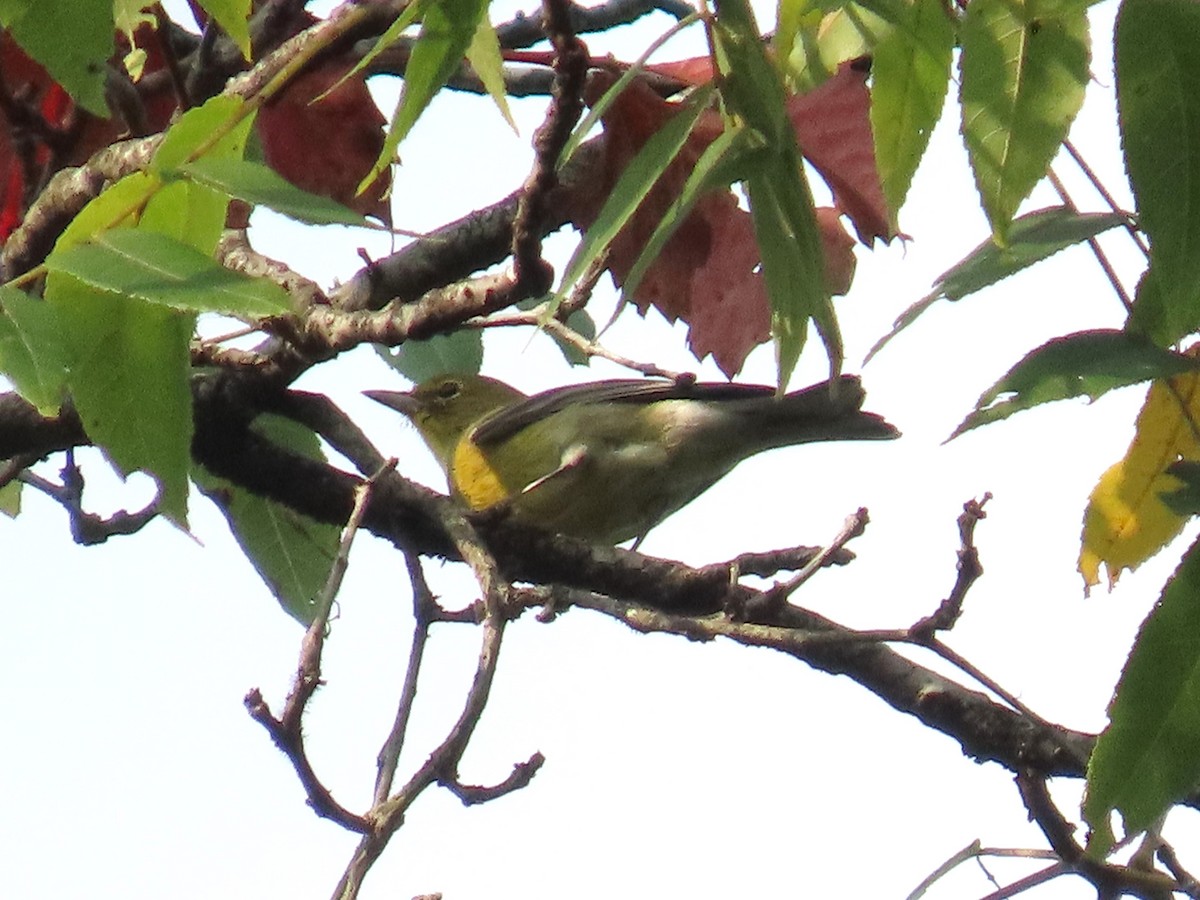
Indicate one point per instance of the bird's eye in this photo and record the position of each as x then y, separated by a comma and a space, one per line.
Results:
448, 390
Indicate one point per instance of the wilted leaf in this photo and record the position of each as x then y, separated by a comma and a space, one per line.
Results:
328, 146
636, 179
1127, 519
833, 129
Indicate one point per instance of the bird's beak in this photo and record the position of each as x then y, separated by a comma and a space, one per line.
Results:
401, 401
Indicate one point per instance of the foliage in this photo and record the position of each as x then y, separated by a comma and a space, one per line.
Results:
698, 200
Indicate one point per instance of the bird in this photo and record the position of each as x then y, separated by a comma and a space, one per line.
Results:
606, 461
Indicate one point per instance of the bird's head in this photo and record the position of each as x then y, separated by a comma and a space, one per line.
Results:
445, 406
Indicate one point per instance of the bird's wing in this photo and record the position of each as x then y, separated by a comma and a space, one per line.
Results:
506, 422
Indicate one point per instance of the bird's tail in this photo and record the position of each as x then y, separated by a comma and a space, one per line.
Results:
829, 411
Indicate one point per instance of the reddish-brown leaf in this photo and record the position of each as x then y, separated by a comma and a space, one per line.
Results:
695, 71
52, 133
833, 129
839, 250
708, 273
721, 319
327, 147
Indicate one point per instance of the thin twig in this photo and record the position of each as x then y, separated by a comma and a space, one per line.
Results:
960, 662
87, 529
521, 775
11, 469
424, 609
1109, 880
1094, 244
853, 527
535, 318
969, 570
1032, 880
975, 850
286, 731
1134, 233
442, 763
767, 563
1187, 882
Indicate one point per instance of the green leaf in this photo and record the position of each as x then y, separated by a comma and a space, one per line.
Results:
183, 141
10, 499
446, 32
31, 351
484, 56
233, 16
128, 363
119, 204
292, 553
780, 200
1158, 98
910, 73
459, 351
411, 13
128, 17
162, 270
184, 209
822, 43
72, 39
190, 213
633, 186
1148, 757
263, 186
751, 86
1151, 315
794, 277
1185, 500
1085, 363
584, 325
1034, 236
1024, 70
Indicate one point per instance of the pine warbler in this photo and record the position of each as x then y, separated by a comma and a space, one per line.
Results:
607, 461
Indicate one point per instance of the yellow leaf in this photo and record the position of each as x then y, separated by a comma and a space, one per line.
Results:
1126, 521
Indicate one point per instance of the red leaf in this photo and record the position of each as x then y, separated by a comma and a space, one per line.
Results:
695, 71
75, 133
327, 147
838, 247
833, 129
708, 273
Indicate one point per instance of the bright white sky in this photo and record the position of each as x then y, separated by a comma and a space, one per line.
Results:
673, 769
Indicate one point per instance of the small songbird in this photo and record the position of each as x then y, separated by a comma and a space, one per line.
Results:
609, 460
